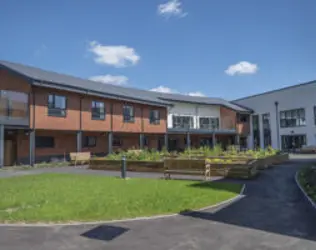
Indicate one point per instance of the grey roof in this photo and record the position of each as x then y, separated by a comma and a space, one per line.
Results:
51, 79
276, 90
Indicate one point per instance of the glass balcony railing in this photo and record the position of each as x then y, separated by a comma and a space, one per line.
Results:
13, 106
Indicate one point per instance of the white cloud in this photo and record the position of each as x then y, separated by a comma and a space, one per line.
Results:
118, 56
163, 89
109, 79
242, 68
197, 93
171, 8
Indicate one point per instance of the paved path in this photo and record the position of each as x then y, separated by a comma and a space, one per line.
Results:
273, 215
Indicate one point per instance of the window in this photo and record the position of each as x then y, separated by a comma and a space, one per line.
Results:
98, 110
266, 130
57, 105
128, 113
292, 118
13, 104
182, 121
89, 141
293, 141
256, 131
154, 117
117, 141
209, 123
44, 142
243, 118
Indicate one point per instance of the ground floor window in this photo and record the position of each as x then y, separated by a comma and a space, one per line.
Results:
117, 141
267, 138
44, 142
89, 141
206, 142
293, 141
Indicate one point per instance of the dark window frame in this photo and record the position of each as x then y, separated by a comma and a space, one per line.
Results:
41, 143
176, 121
152, 117
86, 143
128, 117
314, 115
117, 141
211, 120
290, 118
96, 113
52, 110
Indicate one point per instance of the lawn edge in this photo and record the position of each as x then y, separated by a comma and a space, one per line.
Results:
303, 190
217, 206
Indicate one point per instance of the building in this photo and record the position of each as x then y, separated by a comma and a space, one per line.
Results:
45, 115
284, 118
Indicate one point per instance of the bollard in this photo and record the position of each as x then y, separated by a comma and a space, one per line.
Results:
123, 167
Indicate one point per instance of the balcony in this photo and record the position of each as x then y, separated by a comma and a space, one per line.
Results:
14, 108
202, 125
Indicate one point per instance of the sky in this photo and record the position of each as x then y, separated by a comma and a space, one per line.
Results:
217, 48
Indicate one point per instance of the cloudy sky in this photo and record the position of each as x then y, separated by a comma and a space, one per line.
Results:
223, 48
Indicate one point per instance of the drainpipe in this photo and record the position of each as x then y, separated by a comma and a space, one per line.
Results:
277, 123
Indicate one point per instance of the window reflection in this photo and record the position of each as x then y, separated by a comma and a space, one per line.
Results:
13, 104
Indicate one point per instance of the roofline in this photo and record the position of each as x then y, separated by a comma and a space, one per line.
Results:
41, 83
95, 93
276, 90
247, 110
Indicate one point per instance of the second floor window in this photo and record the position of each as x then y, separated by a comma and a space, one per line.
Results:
292, 118
98, 110
154, 117
56, 105
266, 121
182, 121
128, 113
209, 123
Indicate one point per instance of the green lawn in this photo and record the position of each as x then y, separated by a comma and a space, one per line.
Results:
307, 179
66, 197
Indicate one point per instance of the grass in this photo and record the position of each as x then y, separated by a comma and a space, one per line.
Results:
67, 197
38, 165
307, 179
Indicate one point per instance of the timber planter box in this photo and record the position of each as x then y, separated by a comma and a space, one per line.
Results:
131, 165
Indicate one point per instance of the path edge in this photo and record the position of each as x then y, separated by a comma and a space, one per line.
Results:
217, 207
303, 191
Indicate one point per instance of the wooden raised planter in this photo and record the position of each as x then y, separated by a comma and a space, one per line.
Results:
239, 169
131, 165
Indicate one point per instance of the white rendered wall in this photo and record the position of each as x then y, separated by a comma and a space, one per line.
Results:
300, 96
197, 111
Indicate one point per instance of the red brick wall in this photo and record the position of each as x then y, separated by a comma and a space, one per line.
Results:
11, 81
228, 118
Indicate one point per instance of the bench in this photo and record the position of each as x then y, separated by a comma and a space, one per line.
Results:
186, 167
80, 157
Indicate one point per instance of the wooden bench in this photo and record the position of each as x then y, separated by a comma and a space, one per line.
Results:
186, 167
80, 157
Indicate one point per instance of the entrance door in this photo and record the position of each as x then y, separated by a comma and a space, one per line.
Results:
9, 153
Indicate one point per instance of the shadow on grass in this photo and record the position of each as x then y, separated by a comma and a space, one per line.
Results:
105, 232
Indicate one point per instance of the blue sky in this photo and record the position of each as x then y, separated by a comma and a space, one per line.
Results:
222, 48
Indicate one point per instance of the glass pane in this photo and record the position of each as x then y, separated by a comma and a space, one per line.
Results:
60, 102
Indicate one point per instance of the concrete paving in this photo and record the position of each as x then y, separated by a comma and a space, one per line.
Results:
272, 215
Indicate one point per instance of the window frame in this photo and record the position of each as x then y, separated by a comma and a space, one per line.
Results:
86, 142
44, 145
152, 119
210, 124
51, 111
179, 117
292, 118
117, 139
99, 117
131, 117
